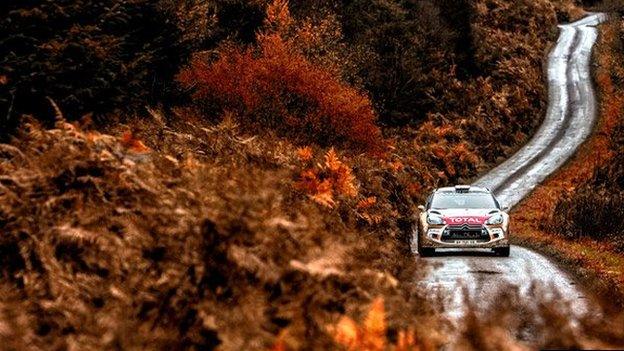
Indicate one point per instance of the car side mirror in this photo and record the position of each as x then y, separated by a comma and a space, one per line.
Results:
421, 208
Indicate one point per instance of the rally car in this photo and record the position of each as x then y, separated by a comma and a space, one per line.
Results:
462, 217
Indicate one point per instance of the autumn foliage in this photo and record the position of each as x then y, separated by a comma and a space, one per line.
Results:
370, 335
327, 181
183, 236
244, 217
273, 85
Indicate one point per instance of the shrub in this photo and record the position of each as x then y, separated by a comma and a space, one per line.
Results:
274, 86
99, 56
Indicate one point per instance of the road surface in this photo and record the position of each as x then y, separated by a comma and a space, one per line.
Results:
569, 120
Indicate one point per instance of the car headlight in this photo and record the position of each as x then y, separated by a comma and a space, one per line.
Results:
434, 219
495, 219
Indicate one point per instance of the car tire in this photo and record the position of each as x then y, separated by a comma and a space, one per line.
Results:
502, 251
426, 251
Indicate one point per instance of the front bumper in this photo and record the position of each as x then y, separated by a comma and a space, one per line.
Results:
493, 237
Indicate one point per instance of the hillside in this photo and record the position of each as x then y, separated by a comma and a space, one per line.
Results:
243, 174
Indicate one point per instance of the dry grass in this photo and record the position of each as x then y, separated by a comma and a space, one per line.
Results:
536, 319
509, 320
569, 10
176, 234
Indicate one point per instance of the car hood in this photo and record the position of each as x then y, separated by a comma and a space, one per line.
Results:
456, 216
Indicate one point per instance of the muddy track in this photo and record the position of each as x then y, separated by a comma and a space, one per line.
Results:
568, 122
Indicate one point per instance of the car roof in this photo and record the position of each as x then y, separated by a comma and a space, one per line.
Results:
463, 189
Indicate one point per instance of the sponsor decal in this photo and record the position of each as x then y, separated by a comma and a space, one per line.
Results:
459, 220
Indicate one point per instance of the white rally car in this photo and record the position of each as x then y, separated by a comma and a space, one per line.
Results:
462, 217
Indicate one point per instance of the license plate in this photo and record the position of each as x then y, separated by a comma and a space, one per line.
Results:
466, 242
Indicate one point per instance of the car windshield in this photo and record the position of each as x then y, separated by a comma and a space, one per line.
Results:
445, 200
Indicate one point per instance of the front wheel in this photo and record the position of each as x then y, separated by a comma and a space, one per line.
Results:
426, 251
502, 251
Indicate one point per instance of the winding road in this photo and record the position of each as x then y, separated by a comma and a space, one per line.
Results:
568, 122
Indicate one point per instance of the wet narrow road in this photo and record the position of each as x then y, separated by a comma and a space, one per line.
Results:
569, 120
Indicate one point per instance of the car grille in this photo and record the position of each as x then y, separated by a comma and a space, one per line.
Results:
465, 232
